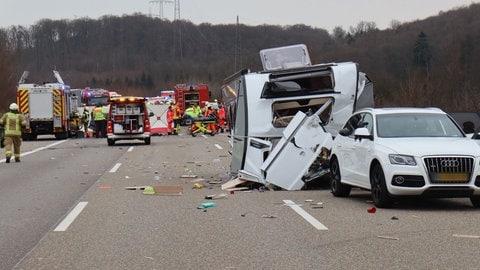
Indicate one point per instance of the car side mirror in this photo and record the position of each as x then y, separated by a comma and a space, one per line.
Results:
344, 132
363, 133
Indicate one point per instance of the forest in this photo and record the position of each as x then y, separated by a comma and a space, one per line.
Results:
423, 63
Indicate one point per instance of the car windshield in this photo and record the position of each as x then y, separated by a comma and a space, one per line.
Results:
416, 125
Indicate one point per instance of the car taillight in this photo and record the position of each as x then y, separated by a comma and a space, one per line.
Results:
147, 125
109, 127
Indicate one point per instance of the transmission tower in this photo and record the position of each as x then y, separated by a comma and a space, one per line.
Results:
177, 36
161, 4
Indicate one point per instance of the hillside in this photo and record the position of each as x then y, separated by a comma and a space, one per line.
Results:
432, 62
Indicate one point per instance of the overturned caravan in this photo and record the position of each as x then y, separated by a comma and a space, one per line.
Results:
283, 119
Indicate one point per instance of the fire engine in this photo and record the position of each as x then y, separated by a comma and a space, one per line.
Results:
93, 97
50, 108
187, 94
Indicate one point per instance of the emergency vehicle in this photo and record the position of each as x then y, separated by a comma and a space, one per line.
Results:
49, 109
187, 94
128, 119
95, 96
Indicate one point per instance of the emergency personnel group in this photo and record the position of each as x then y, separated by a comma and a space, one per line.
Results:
13, 122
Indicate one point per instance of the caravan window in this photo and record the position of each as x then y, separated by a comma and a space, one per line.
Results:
299, 84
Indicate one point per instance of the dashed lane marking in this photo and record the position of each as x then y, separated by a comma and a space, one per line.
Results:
218, 146
315, 223
115, 167
63, 226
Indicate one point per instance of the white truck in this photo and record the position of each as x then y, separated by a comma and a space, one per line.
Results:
283, 119
49, 108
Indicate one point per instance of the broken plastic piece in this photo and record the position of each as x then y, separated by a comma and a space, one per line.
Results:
207, 205
372, 210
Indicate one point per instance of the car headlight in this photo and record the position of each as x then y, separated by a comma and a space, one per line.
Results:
402, 160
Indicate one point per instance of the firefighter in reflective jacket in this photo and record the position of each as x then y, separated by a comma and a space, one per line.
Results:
177, 117
13, 123
170, 120
99, 116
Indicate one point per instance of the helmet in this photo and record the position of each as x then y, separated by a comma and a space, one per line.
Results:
13, 107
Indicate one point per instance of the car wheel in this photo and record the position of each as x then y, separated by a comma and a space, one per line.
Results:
475, 201
338, 189
110, 142
147, 141
380, 196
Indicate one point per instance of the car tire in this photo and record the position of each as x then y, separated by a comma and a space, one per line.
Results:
337, 188
110, 142
475, 201
380, 195
147, 141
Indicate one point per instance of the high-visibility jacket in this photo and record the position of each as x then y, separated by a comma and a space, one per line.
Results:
176, 112
13, 123
221, 113
98, 114
169, 116
191, 112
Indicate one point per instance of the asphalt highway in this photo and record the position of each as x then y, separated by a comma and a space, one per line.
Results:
66, 206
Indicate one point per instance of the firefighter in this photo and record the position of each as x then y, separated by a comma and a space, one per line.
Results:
169, 119
99, 116
222, 120
211, 114
177, 117
13, 123
85, 120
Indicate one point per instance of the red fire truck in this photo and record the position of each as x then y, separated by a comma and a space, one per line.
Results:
187, 94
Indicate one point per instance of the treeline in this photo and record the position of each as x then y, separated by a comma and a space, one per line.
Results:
433, 62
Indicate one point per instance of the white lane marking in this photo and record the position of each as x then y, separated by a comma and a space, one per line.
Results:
315, 223
63, 226
218, 146
130, 149
38, 149
115, 168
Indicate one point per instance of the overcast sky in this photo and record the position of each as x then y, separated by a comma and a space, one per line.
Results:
325, 14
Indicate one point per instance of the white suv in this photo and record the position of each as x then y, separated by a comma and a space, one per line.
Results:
403, 152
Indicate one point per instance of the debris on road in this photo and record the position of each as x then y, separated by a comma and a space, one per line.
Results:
197, 186
372, 210
466, 236
388, 237
162, 190
216, 196
207, 205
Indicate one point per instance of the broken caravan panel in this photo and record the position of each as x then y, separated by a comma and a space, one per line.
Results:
261, 106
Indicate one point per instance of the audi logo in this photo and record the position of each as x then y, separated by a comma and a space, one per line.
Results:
449, 163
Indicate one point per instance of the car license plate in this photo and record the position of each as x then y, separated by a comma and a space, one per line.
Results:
451, 177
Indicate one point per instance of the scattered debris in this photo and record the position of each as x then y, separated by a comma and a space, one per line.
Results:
198, 180
216, 196
394, 218
233, 183
466, 236
317, 205
168, 190
136, 188
388, 237
207, 205
268, 216
188, 176
372, 210
162, 190
197, 186
308, 200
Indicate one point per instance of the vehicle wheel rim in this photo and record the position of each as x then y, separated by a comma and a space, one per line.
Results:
376, 188
335, 175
